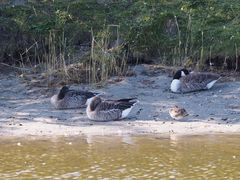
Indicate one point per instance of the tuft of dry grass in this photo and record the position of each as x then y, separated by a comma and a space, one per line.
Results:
105, 62
96, 66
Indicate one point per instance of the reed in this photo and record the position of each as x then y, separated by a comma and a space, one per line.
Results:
236, 56
53, 57
104, 61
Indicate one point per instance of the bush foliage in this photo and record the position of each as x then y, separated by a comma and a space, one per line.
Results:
171, 31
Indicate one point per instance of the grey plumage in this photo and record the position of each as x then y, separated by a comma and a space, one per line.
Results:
69, 99
197, 81
107, 110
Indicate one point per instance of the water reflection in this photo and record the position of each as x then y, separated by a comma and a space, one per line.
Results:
122, 157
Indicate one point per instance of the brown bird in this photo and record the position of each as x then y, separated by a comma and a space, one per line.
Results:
70, 99
107, 110
177, 112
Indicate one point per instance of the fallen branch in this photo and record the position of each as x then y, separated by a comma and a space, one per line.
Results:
19, 68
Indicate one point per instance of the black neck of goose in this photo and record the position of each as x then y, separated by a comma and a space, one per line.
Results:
177, 75
61, 95
62, 92
94, 104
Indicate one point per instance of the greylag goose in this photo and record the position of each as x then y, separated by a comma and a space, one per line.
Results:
107, 110
69, 99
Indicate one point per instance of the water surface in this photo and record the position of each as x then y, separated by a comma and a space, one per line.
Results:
197, 157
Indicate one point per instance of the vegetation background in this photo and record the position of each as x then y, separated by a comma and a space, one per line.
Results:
89, 40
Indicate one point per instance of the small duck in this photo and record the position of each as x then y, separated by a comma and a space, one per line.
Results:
108, 110
184, 82
70, 99
177, 113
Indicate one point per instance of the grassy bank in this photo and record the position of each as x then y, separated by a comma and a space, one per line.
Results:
103, 36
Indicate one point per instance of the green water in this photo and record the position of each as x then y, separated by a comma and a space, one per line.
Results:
197, 157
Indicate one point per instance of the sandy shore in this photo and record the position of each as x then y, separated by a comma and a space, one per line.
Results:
26, 111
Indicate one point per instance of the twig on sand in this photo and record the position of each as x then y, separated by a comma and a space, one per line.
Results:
19, 68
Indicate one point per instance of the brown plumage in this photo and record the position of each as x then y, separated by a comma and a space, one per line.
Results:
69, 99
177, 112
106, 110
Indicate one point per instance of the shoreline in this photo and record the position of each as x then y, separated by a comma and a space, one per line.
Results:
149, 128
26, 111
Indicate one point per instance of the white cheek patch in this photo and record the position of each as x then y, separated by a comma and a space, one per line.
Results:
182, 74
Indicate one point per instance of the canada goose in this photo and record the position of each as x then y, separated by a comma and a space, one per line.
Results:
184, 82
69, 99
177, 113
107, 110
